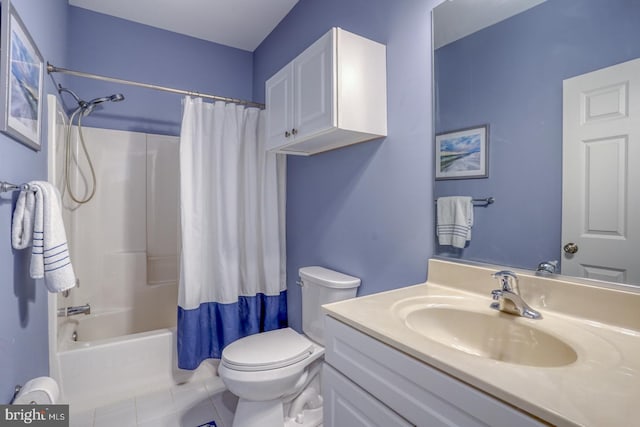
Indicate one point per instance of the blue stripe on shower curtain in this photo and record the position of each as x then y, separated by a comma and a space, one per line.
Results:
203, 332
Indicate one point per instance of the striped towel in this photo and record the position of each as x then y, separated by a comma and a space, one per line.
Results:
50, 255
455, 219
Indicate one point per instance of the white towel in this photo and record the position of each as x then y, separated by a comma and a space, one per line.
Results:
23, 216
50, 255
455, 219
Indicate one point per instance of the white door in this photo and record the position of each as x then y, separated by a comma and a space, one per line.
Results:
601, 174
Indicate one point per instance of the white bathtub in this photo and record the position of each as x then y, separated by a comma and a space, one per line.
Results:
107, 368
102, 325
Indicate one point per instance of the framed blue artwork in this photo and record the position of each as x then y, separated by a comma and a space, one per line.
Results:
21, 80
463, 154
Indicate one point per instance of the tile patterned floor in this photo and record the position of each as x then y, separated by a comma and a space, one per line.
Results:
187, 405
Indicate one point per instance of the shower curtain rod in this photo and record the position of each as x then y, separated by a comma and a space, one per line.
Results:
53, 69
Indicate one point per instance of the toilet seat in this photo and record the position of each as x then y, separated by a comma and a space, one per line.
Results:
267, 350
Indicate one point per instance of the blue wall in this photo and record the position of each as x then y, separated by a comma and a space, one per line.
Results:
23, 301
113, 47
366, 210
510, 76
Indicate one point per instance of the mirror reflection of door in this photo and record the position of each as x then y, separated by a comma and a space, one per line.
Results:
509, 74
601, 174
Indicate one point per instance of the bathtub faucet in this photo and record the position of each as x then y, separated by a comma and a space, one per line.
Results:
72, 311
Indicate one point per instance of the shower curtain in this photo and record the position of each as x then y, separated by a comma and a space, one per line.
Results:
232, 279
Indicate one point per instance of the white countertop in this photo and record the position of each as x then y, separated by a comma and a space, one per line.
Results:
600, 389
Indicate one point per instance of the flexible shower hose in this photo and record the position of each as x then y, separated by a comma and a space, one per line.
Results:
68, 158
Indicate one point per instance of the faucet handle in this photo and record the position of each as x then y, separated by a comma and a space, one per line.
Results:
547, 267
496, 294
504, 277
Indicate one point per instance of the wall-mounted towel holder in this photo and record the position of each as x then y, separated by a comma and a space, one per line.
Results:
480, 202
7, 186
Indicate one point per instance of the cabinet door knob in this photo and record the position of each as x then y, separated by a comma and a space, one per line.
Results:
294, 131
287, 134
571, 248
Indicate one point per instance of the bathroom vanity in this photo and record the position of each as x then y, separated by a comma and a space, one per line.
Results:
436, 354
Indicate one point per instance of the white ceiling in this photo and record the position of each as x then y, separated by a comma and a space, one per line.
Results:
455, 19
242, 24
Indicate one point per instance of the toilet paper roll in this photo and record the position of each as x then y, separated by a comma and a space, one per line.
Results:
41, 390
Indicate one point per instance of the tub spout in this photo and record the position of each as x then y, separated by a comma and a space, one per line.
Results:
72, 311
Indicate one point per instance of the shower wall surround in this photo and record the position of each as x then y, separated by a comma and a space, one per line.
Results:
124, 242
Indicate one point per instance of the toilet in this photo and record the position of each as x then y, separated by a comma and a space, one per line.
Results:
276, 374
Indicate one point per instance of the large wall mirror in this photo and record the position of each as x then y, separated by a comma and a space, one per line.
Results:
558, 84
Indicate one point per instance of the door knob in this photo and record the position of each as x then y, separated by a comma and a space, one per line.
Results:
287, 134
571, 248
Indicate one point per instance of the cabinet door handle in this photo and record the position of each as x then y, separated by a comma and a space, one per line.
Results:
294, 131
287, 134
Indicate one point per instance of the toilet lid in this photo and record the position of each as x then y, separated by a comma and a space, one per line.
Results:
267, 350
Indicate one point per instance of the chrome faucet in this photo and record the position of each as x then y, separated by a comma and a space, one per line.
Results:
508, 297
72, 311
547, 267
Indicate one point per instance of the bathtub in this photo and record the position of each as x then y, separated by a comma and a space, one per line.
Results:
102, 367
104, 324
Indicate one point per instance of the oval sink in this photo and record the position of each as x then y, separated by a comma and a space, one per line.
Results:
496, 336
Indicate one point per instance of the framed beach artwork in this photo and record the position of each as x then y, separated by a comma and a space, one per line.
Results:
21, 80
463, 154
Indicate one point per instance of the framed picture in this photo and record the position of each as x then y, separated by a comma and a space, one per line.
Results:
21, 80
463, 154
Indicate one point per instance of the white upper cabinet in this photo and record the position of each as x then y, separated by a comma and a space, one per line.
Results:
332, 95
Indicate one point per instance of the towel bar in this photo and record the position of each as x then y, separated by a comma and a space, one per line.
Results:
484, 201
7, 186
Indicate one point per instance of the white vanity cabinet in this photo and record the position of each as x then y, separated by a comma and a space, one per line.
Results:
332, 95
368, 383
346, 404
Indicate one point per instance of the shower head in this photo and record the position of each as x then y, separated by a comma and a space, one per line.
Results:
85, 108
116, 97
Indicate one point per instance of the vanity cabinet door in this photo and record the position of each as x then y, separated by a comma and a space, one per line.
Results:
346, 404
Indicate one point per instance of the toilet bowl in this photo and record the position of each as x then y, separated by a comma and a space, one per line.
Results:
273, 374
277, 370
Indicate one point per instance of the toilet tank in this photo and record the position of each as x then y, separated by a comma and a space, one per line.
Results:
322, 286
